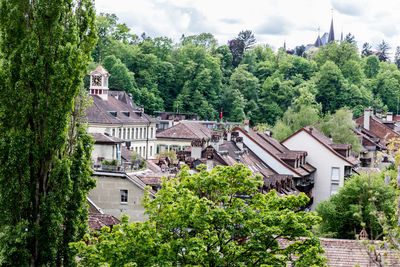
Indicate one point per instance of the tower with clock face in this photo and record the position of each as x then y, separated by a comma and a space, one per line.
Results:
99, 82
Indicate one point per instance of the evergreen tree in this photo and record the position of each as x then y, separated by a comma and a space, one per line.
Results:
44, 154
397, 57
366, 50
383, 51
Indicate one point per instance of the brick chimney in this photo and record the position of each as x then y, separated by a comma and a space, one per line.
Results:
229, 136
197, 146
367, 117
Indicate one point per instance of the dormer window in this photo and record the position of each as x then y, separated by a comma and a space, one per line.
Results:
113, 113
126, 113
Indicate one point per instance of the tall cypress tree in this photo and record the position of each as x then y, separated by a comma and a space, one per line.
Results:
44, 153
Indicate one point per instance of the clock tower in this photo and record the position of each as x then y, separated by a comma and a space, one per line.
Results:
99, 82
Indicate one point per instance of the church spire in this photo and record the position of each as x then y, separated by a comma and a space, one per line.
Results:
331, 36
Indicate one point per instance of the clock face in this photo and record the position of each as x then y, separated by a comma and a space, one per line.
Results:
96, 80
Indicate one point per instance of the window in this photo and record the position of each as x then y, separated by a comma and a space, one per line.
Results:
140, 151
151, 132
124, 133
335, 179
151, 151
124, 195
128, 134
119, 133
113, 132
141, 132
144, 135
137, 131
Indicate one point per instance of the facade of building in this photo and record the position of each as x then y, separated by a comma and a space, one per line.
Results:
115, 113
333, 162
117, 193
180, 136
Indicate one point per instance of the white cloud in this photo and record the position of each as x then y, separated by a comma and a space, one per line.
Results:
272, 21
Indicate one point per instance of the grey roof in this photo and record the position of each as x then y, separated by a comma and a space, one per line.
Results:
105, 138
318, 42
186, 130
331, 36
118, 109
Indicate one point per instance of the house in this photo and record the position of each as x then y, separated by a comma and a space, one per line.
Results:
105, 147
281, 159
118, 193
180, 136
115, 113
333, 162
375, 132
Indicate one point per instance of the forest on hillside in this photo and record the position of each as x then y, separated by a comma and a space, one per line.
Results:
245, 80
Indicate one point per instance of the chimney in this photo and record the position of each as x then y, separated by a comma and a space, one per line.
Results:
229, 136
389, 116
378, 113
239, 142
246, 125
330, 137
215, 141
268, 132
197, 146
234, 135
209, 154
367, 116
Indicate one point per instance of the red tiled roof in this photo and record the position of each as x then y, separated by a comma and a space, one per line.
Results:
97, 221
377, 127
349, 253
186, 130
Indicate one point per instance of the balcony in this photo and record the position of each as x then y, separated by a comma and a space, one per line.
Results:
305, 187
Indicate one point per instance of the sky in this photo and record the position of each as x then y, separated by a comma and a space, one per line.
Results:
273, 22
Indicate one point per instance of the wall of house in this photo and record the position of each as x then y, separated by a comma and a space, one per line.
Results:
135, 134
267, 158
106, 196
322, 159
163, 143
106, 151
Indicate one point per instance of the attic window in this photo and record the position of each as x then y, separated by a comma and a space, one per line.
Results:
113, 113
126, 113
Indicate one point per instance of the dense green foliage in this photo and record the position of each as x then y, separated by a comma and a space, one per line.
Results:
44, 150
201, 220
346, 213
245, 80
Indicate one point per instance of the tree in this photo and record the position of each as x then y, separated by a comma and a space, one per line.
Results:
340, 126
371, 67
46, 48
350, 38
294, 120
383, 51
366, 50
212, 218
207, 40
240, 44
299, 51
337, 53
397, 57
346, 213
329, 82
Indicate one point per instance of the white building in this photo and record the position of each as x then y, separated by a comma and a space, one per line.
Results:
333, 162
115, 113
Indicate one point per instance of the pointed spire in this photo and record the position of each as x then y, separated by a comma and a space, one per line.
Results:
341, 36
284, 44
318, 42
331, 36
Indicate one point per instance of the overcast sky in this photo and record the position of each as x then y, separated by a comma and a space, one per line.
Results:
272, 21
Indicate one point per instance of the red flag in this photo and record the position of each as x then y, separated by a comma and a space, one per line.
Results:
221, 114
